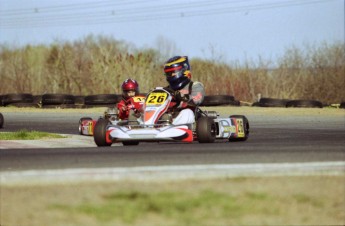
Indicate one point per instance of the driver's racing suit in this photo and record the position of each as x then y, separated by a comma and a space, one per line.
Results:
187, 98
125, 106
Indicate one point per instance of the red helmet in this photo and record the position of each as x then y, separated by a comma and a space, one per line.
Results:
130, 84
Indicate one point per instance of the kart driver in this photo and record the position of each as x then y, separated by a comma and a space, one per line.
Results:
130, 88
188, 94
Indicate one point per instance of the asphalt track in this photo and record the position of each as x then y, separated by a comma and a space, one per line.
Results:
273, 139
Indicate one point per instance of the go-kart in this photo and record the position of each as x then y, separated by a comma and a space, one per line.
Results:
155, 123
87, 124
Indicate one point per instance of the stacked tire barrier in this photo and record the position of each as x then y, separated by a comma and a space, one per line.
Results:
272, 102
342, 105
19, 100
57, 101
53, 100
219, 100
1, 121
102, 100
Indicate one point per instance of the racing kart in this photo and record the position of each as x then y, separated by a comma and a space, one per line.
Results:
155, 124
87, 124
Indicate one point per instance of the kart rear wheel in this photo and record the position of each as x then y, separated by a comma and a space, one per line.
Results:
205, 130
80, 123
100, 133
127, 143
245, 128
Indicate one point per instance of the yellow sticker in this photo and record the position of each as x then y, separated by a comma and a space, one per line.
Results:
240, 127
138, 99
231, 129
156, 98
90, 127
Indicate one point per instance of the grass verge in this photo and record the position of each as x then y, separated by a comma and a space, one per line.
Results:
28, 135
289, 200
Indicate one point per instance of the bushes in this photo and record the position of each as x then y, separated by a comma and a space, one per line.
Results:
99, 65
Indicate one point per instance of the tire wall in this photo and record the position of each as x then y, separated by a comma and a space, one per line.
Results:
110, 100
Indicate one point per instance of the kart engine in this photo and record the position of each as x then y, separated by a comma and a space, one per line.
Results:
112, 114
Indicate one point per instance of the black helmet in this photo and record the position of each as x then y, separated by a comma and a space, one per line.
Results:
177, 72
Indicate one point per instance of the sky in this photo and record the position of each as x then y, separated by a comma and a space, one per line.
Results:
231, 30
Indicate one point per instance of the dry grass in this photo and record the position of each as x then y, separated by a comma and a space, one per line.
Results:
298, 200
99, 65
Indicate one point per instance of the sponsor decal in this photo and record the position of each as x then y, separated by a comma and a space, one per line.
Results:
240, 127
229, 129
90, 128
138, 99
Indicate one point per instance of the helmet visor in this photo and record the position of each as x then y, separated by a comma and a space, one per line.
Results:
173, 74
173, 71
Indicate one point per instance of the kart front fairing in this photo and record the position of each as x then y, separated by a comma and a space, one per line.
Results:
149, 126
165, 133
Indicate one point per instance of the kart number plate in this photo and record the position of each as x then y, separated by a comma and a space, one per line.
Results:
90, 124
156, 98
240, 128
138, 99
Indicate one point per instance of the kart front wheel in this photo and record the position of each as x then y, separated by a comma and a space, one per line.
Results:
100, 133
206, 130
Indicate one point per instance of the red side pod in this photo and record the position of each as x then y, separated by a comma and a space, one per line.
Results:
188, 136
107, 136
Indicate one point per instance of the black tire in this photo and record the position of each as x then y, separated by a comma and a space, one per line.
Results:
102, 99
217, 100
100, 132
57, 99
205, 130
17, 98
246, 128
128, 143
23, 105
272, 102
79, 100
305, 104
80, 121
256, 104
342, 105
2, 121
37, 100
1, 98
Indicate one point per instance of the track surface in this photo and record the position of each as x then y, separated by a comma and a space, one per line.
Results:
275, 139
